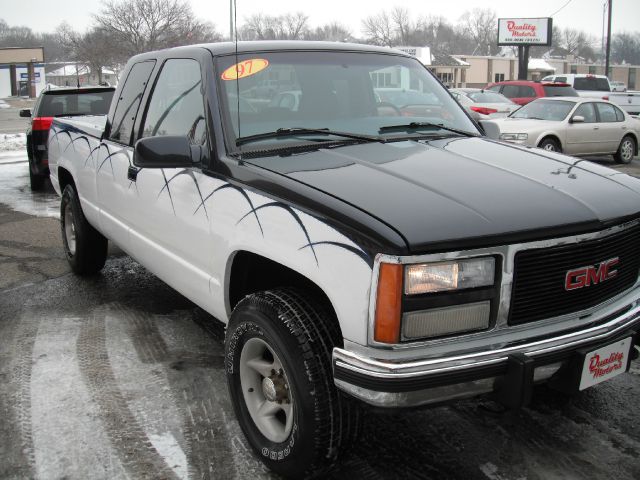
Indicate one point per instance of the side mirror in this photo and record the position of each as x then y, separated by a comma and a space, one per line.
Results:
165, 152
577, 119
25, 112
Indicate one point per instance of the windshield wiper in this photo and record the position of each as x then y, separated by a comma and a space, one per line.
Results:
421, 125
294, 131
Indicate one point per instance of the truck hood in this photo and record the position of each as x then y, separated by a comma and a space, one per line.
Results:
447, 193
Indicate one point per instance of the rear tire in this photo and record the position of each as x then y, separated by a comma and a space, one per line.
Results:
626, 150
278, 364
84, 246
550, 145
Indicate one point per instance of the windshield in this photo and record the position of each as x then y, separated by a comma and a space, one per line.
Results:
347, 92
488, 97
545, 110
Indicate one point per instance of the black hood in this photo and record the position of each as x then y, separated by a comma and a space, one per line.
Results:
444, 194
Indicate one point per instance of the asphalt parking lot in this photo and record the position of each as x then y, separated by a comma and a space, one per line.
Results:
118, 376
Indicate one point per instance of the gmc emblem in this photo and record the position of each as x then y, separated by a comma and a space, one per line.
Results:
591, 274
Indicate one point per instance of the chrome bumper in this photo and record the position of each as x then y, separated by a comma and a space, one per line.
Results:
509, 371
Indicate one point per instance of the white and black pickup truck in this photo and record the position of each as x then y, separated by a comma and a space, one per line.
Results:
598, 86
359, 251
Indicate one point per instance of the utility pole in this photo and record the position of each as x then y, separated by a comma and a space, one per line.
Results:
606, 68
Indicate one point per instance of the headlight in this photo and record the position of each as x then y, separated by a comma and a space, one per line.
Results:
513, 136
444, 276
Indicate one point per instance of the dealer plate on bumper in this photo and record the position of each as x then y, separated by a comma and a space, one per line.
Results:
605, 363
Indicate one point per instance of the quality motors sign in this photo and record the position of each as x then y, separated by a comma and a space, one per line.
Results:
524, 31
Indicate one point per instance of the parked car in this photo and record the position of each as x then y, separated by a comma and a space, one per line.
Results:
618, 86
573, 125
598, 86
355, 257
525, 91
58, 102
485, 103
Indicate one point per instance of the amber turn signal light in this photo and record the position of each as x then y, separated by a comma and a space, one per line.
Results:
388, 304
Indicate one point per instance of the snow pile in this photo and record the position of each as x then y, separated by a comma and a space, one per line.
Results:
4, 104
12, 141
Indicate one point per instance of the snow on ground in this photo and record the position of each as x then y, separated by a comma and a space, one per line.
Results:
12, 141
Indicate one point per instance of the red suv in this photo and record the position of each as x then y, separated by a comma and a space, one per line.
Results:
525, 91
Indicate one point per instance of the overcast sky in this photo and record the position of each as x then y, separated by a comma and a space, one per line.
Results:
45, 15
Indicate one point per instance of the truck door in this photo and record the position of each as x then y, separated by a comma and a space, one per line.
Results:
115, 192
170, 225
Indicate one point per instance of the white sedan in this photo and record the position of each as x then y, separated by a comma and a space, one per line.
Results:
572, 125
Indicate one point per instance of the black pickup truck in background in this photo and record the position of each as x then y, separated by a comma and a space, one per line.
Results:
58, 103
360, 250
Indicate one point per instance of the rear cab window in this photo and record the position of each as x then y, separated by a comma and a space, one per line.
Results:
591, 84
77, 103
129, 101
559, 91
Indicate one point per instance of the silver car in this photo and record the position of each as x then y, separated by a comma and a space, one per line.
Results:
572, 125
485, 103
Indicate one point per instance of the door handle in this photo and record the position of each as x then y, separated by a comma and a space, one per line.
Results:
596, 128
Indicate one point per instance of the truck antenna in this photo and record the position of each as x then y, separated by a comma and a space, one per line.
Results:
235, 34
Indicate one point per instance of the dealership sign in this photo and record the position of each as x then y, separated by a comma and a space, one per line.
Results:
524, 31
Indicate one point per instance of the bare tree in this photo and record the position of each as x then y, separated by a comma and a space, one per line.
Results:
331, 32
138, 26
625, 47
267, 27
92, 48
403, 26
481, 25
378, 29
294, 26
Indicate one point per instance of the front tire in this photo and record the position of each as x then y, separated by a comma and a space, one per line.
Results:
84, 246
550, 145
626, 150
278, 364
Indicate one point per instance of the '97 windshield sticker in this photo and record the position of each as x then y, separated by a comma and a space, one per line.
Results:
246, 68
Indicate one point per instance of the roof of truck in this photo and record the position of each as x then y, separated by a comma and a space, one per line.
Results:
226, 48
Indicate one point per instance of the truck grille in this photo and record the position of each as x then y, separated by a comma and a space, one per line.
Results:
539, 276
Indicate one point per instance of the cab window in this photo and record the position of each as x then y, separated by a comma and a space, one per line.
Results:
129, 101
176, 105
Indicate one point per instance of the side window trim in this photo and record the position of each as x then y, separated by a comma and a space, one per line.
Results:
139, 97
152, 90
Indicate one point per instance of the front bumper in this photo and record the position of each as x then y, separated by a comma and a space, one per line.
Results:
508, 371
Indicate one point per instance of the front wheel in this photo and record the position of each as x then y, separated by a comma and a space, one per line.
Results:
550, 145
84, 246
626, 150
278, 364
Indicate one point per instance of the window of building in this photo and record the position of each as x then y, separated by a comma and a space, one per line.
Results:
574, 69
631, 83
445, 77
498, 77
592, 69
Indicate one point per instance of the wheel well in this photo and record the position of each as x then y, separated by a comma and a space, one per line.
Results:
64, 178
252, 273
552, 137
